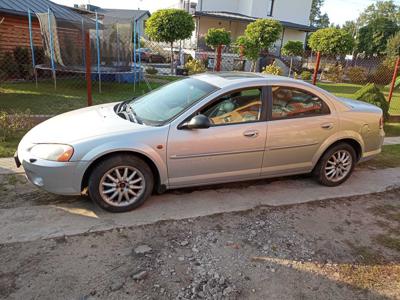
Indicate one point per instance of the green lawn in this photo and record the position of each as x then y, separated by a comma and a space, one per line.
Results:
392, 129
347, 90
389, 158
70, 95
8, 147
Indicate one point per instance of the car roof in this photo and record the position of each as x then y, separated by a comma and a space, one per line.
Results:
224, 79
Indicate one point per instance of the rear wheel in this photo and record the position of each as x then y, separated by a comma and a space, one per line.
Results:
121, 183
336, 165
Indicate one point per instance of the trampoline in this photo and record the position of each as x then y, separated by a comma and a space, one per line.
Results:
112, 48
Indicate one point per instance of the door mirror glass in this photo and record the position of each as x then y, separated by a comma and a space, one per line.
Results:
197, 122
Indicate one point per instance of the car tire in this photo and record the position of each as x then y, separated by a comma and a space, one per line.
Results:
336, 165
121, 183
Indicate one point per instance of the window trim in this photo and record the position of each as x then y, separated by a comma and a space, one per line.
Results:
271, 9
264, 106
270, 104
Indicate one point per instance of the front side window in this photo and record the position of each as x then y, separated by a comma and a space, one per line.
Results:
290, 103
167, 102
237, 107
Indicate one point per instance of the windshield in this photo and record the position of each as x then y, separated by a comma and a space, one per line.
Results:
169, 101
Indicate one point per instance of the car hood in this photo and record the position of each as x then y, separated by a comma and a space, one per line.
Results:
81, 124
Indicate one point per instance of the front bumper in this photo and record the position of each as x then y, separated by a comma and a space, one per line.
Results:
54, 177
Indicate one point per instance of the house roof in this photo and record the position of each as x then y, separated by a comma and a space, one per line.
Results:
20, 8
120, 13
243, 18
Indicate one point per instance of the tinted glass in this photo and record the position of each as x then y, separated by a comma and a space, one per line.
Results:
295, 103
238, 107
169, 101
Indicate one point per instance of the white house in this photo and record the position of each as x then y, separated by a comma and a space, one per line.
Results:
235, 15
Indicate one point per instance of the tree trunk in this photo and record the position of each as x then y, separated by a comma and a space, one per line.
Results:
172, 58
291, 66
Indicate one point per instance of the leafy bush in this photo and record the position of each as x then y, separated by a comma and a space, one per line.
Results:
334, 73
23, 62
382, 75
357, 74
331, 41
306, 75
195, 66
217, 36
8, 65
272, 69
151, 71
370, 93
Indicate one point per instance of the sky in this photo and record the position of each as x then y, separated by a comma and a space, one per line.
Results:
339, 11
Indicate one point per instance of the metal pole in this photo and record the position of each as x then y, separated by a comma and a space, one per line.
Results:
314, 81
88, 70
32, 47
219, 58
139, 54
134, 55
83, 43
53, 68
98, 51
396, 69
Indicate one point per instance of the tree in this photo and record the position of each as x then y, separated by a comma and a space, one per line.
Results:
331, 41
259, 35
380, 9
392, 50
293, 48
216, 38
317, 19
169, 26
372, 38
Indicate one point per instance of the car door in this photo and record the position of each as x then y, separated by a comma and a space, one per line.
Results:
231, 149
299, 122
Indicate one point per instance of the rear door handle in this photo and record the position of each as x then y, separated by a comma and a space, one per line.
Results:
327, 125
251, 133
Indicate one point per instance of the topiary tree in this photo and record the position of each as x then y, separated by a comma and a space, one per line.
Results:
216, 38
331, 41
169, 26
259, 35
370, 93
392, 50
293, 48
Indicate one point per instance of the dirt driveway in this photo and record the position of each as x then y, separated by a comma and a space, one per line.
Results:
347, 248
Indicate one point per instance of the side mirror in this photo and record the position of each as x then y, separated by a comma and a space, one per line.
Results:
197, 122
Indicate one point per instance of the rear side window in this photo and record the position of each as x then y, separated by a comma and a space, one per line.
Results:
288, 103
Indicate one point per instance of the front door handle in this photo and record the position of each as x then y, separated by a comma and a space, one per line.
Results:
327, 125
251, 133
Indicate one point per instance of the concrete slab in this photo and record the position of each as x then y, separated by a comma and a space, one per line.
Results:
41, 222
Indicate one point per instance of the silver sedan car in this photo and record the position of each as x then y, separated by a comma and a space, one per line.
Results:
205, 129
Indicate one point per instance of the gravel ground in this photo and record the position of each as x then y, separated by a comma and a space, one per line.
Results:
337, 249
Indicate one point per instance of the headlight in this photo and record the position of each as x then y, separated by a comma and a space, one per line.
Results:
53, 152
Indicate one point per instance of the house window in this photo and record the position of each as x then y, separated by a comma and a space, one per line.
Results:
270, 7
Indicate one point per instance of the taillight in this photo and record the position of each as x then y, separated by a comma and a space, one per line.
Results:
381, 123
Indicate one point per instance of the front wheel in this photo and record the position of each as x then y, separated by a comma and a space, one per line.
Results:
336, 165
121, 183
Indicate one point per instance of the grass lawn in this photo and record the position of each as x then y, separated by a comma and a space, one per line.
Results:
8, 147
389, 158
70, 95
347, 90
392, 129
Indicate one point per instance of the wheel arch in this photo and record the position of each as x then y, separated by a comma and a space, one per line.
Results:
357, 146
154, 169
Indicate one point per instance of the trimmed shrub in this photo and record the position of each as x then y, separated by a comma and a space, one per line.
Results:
382, 75
151, 71
370, 93
8, 66
195, 66
334, 73
272, 69
357, 74
23, 62
306, 75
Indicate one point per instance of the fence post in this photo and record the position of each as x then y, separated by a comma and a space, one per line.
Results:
316, 68
88, 70
219, 58
396, 69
